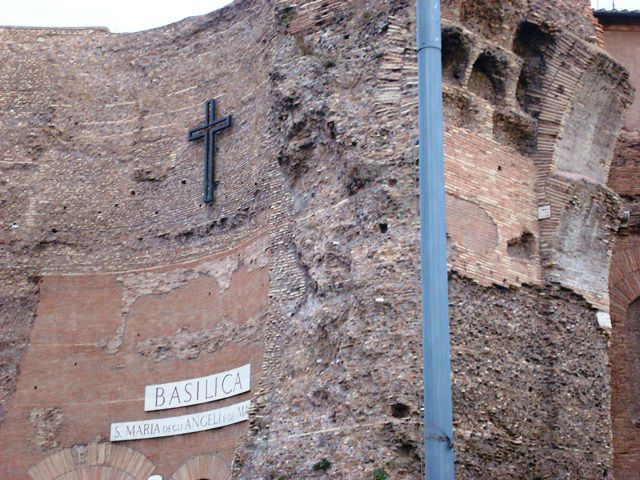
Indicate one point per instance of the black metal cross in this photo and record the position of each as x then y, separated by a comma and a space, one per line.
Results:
208, 130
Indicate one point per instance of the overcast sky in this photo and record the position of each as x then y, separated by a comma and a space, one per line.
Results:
133, 15
117, 15
619, 4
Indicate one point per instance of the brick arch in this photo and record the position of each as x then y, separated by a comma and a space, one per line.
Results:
97, 460
624, 290
203, 467
624, 279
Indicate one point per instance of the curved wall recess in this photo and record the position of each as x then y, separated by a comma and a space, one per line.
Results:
488, 77
97, 460
585, 146
203, 467
456, 52
633, 337
532, 43
624, 355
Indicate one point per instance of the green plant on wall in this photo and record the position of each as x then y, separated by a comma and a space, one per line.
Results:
322, 466
380, 474
286, 16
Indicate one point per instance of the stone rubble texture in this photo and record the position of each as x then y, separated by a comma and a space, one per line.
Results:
317, 180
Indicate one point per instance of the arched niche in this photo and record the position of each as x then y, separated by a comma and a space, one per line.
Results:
624, 355
488, 77
456, 53
531, 43
203, 467
102, 461
591, 127
632, 325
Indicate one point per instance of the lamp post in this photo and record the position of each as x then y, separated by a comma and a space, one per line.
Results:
438, 416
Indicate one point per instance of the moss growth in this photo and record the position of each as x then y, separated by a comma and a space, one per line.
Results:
322, 466
380, 474
286, 15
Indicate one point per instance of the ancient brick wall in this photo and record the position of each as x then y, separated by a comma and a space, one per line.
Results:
100, 186
317, 180
625, 291
99, 339
622, 42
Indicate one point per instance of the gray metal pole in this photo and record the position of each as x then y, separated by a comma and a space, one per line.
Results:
438, 416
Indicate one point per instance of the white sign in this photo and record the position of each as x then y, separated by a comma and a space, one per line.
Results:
195, 422
604, 319
544, 212
198, 390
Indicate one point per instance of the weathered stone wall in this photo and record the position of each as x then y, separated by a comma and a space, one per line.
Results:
352, 169
321, 166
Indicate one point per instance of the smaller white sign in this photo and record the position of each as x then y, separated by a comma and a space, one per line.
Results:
167, 427
198, 390
544, 211
604, 319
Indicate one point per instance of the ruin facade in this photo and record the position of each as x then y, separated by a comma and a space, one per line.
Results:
115, 274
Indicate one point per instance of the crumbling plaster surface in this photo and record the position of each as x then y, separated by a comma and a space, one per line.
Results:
140, 284
183, 323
